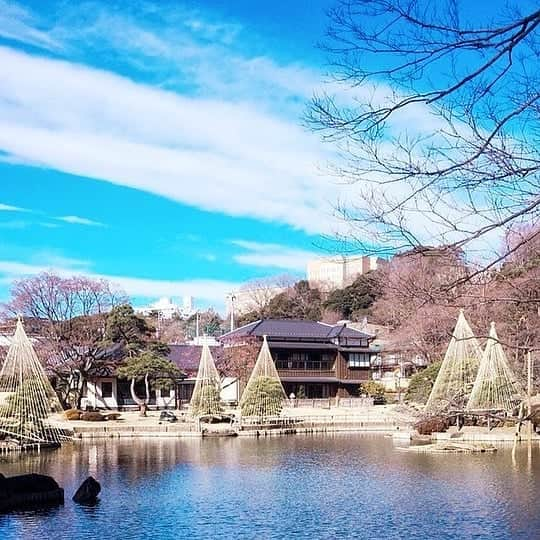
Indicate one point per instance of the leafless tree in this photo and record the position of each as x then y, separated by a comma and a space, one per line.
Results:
238, 358
258, 293
418, 307
69, 315
434, 116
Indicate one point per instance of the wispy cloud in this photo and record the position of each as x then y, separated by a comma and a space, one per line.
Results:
224, 131
214, 155
77, 220
10, 208
273, 255
17, 224
19, 24
52, 258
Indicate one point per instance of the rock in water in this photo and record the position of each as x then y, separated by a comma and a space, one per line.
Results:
28, 490
88, 491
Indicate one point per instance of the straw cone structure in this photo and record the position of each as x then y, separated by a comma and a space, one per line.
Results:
264, 394
206, 394
496, 387
458, 370
26, 397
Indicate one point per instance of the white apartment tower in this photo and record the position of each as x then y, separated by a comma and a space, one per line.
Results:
338, 272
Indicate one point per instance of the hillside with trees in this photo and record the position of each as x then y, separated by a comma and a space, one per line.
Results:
422, 291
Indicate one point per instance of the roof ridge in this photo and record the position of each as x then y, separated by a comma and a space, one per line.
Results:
343, 326
256, 323
289, 319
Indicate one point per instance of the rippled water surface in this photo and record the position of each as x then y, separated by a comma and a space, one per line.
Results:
289, 487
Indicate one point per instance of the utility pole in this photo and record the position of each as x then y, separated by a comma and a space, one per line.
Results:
231, 297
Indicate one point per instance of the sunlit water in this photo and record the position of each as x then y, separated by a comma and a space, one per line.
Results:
287, 487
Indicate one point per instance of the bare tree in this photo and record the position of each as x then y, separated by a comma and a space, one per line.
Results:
239, 357
257, 294
420, 309
70, 314
415, 302
435, 119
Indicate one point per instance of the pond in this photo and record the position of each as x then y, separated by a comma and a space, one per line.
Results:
340, 486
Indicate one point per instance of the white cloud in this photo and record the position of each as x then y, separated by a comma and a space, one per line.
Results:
273, 256
228, 142
54, 259
77, 220
19, 224
206, 290
214, 155
10, 208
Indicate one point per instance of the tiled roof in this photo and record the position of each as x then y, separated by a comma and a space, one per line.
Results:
293, 328
186, 357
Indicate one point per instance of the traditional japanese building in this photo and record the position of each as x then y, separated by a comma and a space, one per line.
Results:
313, 359
106, 391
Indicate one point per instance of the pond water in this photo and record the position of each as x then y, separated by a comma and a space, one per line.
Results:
342, 486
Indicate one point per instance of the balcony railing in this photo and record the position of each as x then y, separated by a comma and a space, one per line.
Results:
306, 373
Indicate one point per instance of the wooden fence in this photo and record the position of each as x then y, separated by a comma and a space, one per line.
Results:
327, 403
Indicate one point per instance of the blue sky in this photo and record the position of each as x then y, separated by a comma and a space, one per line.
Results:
159, 144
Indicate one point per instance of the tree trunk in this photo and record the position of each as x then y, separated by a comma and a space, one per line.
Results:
140, 402
147, 400
80, 391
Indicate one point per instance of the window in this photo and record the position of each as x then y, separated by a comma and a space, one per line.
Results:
106, 389
358, 360
305, 361
165, 392
327, 361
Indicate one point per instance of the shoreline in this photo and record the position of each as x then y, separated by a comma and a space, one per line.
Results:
178, 431
385, 420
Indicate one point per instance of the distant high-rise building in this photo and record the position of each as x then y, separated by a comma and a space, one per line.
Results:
339, 271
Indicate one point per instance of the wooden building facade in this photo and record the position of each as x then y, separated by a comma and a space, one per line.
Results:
313, 359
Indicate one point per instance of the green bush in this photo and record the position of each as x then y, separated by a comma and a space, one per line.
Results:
372, 388
262, 397
421, 383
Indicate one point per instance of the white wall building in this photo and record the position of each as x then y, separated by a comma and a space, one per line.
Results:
167, 309
105, 393
338, 272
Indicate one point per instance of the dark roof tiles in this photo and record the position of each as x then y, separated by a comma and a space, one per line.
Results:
293, 328
186, 357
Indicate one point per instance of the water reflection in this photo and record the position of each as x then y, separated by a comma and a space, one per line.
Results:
294, 487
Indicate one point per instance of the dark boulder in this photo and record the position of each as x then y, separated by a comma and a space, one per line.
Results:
88, 491
29, 490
